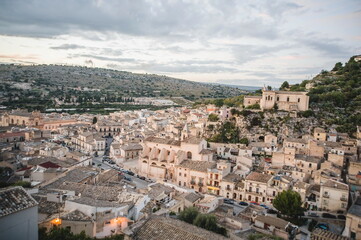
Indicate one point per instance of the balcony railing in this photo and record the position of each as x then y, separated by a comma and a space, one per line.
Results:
343, 199
326, 195
200, 184
193, 182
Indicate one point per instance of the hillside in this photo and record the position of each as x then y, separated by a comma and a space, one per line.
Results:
335, 96
39, 84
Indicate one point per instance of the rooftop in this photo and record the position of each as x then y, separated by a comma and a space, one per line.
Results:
258, 177
163, 141
200, 166
162, 228
15, 199
273, 221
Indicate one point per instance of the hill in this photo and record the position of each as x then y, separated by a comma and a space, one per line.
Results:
37, 84
336, 95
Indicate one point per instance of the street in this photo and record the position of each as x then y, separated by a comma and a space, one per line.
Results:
105, 166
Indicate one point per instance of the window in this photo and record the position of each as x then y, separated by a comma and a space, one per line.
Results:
278, 98
299, 100
185, 175
180, 174
288, 99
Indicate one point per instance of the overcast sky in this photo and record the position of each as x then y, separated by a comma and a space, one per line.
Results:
235, 42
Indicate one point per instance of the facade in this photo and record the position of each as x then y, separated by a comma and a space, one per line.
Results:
334, 196
251, 100
283, 100
160, 155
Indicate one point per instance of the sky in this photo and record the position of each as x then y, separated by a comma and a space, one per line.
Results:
248, 42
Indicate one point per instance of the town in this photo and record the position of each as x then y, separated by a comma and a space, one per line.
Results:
262, 169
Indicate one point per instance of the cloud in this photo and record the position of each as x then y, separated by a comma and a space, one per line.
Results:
102, 58
176, 19
68, 46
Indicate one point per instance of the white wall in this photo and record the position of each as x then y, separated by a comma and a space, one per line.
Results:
20, 225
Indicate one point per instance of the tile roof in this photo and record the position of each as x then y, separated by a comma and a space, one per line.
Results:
163, 141
15, 199
49, 164
272, 221
258, 177
335, 184
324, 234
162, 228
76, 216
200, 166
192, 197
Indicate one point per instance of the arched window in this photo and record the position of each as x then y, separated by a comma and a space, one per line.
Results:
189, 155
288, 99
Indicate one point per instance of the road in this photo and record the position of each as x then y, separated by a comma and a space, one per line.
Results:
104, 165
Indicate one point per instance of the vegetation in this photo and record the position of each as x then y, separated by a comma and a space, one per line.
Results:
207, 221
47, 86
285, 85
65, 234
213, 117
244, 141
289, 203
254, 106
23, 184
227, 132
262, 236
337, 96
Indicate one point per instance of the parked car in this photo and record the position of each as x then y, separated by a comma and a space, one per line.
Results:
130, 173
323, 226
141, 177
228, 201
271, 211
254, 203
243, 203
265, 206
327, 215
128, 179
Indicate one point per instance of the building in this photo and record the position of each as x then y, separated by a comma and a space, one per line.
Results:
273, 225
353, 221
282, 100
251, 100
18, 214
334, 196
320, 234
163, 228
161, 155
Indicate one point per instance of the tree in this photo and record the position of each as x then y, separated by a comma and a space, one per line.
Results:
95, 120
58, 233
213, 117
219, 102
337, 67
284, 85
244, 141
269, 88
189, 214
289, 203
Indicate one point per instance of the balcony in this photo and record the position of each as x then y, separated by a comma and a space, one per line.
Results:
228, 188
193, 182
343, 199
200, 184
326, 195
